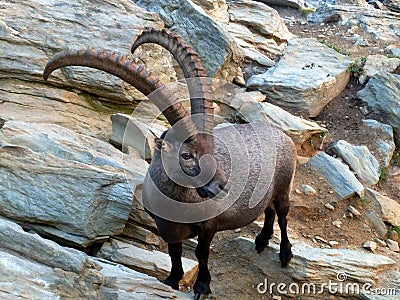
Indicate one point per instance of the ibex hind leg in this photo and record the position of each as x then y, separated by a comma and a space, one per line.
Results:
281, 204
266, 232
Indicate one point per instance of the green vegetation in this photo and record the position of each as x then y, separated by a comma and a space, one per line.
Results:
307, 10
356, 66
334, 47
363, 201
393, 56
382, 174
394, 228
395, 161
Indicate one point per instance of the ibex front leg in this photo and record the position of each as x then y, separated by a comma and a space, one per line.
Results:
202, 284
175, 252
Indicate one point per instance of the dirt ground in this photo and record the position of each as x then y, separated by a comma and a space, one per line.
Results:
235, 274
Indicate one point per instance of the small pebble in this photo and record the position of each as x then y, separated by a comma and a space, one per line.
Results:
308, 190
337, 223
370, 245
380, 242
333, 244
348, 214
237, 230
329, 206
393, 235
393, 245
354, 211
318, 238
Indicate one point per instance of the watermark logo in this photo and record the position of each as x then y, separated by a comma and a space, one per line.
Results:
238, 152
335, 287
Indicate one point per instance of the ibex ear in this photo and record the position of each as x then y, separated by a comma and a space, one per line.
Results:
162, 145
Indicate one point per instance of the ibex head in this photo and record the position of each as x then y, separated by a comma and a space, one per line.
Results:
189, 143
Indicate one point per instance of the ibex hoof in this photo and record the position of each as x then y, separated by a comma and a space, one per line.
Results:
285, 256
201, 290
172, 283
261, 243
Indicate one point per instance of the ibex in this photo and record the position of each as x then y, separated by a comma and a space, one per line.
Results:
193, 149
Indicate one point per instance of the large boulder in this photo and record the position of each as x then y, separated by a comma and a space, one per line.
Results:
259, 31
337, 174
359, 159
35, 268
378, 63
235, 105
389, 208
153, 263
382, 25
129, 131
304, 80
382, 94
79, 98
312, 268
66, 185
217, 49
289, 3
379, 140
393, 5
308, 136
216, 9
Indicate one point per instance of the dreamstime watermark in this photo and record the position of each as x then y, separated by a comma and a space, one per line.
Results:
337, 287
239, 150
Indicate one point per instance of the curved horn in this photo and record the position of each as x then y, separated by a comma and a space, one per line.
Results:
127, 70
192, 67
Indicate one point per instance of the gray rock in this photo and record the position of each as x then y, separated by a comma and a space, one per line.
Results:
359, 159
376, 223
342, 180
393, 235
153, 263
35, 268
393, 245
393, 5
379, 242
286, 3
315, 264
133, 132
217, 49
138, 214
389, 208
216, 9
236, 105
76, 98
259, 31
378, 63
334, 244
395, 51
353, 211
308, 190
318, 265
370, 245
24, 52
141, 234
307, 135
329, 206
362, 3
379, 140
74, 185
304, 81
380, 24
382, 94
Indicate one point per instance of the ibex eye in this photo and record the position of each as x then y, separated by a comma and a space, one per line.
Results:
187, 156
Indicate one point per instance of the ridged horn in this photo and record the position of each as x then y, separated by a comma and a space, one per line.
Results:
127, 70
192, 67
